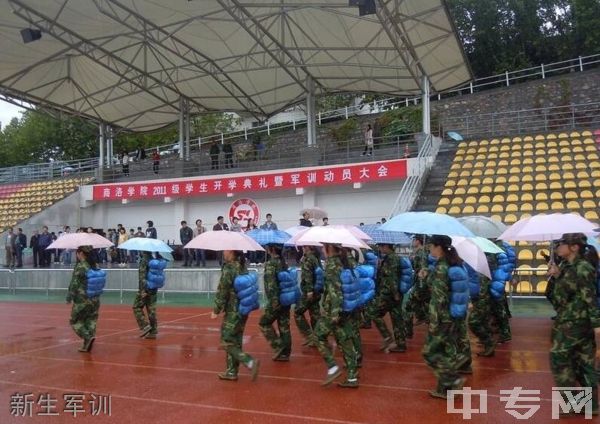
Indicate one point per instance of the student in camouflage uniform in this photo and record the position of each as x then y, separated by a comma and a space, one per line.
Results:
280, 341
481, 315
418, 298
501, 314
84, 313
578, 318
388, 299
232, 329
440, 350
310, 299
335, 321
145, 299
356, 316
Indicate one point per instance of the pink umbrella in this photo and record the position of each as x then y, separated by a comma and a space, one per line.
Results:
75, 240
223, 240
548, 227
316, 236
472, 254
292, 231
357, 232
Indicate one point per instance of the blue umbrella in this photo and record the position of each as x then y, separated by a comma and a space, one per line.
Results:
265, 237
388, 237
146, 245
455, 136
427, 223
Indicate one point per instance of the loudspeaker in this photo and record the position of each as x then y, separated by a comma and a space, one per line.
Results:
30, 34
367, 8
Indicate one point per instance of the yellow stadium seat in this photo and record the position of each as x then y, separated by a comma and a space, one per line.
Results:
516, 154
470, 200
515, 162
479, 164
501, 180
569, 184
526, 187
512, 198
570, 195
497, 209
503, 155
503, 162
554, 168
453, 174
564, 143
589, 141
553, 159
514, 179
590, 149
524, 270
540, 160
486, 189
484, 199
484, 143
468, 210
483, 209
517, 139
487, 181
556, 195
528, 146
462, 145
541, 206
447, 192
454, 210
584, 184
567, 167
525, 255
460, 190
586, 194
473, 190
540, 287
574, 134
492, 156
577, 149
527, 178
538, 197
511, 207
579, 158
583, 174
581, 165
541, 186
498, 198
540, 177
573, 205
557, 206
589, 204
476, 173
526, 197
526, 207
495, 141
462, 182
592, 156
555, 185
591, 215
540, 168
528, 154
540, 137
444, 201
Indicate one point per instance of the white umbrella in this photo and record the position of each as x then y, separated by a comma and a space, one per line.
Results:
316, 236
223, 240
548, 227
292, 231
358, 233
314, 213
472, 254
483, 226
146, 245
75, 240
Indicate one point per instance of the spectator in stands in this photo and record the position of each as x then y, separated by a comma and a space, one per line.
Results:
200, 253
21, 244
140, 153
54, 252
123, 237
186, 234
66, 254
368, 141
383, 220
305, 221
44, 240
11, 248
90, 230
220, 225
251, 225
269, 224
228, 152
256, 145
133, 254
125, 162
35, 249
325, 222
155, 161
235, 225
150, 231
139, 233
214, 155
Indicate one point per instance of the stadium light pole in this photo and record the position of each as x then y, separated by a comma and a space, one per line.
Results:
426, 106
311, 132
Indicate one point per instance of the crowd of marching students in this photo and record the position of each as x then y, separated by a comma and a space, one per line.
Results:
340, 296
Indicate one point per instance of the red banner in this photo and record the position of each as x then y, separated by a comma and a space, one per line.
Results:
309, 177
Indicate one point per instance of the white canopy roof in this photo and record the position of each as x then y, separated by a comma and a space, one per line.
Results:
128, 62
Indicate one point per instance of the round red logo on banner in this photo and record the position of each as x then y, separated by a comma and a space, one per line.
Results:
244, 209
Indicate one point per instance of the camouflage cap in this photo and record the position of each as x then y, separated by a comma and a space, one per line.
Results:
573, 238
86, 249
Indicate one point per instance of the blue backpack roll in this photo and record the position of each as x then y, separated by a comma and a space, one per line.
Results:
96, 280
474, 282
289, 292
246, 288
350, 290
407, 274
366, 283
431, 262
319, 276
155, 279
511, 257
598, 288
372, 259
500, 275
459, 291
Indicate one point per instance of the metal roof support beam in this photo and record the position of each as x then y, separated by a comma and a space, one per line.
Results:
426, 106
98, 54
266, 41
101, 148
174, 45
398, 37
311, 113
181, 125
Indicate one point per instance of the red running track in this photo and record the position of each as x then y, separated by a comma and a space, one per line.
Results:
173, 379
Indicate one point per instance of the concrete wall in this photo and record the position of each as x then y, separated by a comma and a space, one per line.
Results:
345, 205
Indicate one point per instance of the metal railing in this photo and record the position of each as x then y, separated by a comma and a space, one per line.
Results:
411, 188
245, 158
548, 119
505, 79
49, 171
